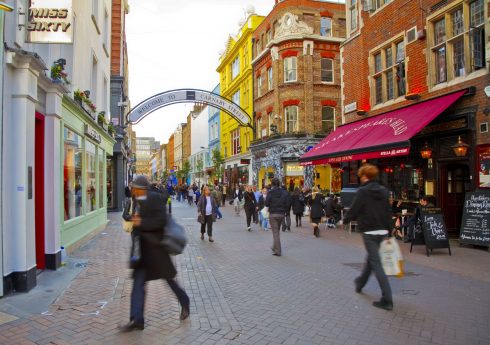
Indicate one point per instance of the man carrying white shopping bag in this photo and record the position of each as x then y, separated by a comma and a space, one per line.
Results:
372, 211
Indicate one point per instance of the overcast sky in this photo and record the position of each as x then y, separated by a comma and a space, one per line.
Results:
176, 44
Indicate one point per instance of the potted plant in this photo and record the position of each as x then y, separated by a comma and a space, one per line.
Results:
111, 129
58, 74
101, 120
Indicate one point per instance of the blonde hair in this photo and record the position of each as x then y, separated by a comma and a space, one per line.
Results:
314, 192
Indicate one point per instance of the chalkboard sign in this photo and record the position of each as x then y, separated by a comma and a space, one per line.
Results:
475, 227
432, 230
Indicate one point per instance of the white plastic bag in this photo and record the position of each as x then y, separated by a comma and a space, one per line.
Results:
265, 212
391, 258
306, 213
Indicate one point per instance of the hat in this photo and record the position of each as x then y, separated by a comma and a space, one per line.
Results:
141, 182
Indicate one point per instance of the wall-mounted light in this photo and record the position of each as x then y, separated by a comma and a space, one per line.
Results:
460, 148
426, 151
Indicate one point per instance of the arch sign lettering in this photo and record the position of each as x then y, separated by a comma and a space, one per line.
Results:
188, 96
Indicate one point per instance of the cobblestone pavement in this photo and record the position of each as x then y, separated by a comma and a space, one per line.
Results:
241, 294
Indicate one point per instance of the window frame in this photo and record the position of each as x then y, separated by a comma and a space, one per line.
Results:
328, 29
287, 120
324, 107
235, 141
293, 69
259, 85
235, 68
270, 79
332, 70
353, 13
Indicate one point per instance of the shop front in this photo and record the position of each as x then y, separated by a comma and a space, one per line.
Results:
422, 149
237, 171
85, 151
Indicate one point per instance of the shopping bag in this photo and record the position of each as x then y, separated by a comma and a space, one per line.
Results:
174, 238
306, 213
201, 219
265, 212
127, 224
135, 256
391, 258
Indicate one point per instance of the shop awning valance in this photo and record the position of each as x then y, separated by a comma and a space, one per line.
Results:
380, 136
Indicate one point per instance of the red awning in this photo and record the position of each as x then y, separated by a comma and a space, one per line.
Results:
385, 135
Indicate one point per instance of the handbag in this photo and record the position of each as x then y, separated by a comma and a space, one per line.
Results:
201, 219
127, 224
265, 212
307, 211
391, 258
135, 256
174, 238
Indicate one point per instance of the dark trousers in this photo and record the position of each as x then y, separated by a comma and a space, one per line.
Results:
138, 295
373, 264
249, 212
275, 220
209, 222
298, 218
286, 222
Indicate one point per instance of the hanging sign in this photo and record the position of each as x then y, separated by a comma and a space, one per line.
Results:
50, 21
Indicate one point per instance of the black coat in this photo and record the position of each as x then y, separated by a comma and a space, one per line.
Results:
298, 204
317, 206
250, 202
154, 259
277, 201
371, 208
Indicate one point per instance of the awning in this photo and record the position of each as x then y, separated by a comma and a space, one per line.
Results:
380, 136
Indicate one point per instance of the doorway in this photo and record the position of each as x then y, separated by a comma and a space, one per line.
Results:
39, 190
455, 182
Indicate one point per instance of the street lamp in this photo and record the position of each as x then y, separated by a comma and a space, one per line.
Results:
460, 148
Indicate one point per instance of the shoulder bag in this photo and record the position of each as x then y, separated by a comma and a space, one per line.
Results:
174, 238
127, 224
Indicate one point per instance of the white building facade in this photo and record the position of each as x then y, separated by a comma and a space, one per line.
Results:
200, 155
55, 139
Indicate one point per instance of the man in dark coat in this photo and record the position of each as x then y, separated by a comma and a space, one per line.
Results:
372, 211
149, 218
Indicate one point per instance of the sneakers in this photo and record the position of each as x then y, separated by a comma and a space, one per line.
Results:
383, 305
249, 228
211, 239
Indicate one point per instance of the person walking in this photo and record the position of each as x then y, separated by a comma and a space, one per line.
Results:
216, 194
264, 222
372, 211
276, 201
286, 221
250, 205
149, 217
206, 207
257, 194
237, 199
224, 191
298, 205
317, 211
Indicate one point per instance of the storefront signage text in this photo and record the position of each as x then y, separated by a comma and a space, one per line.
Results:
50, 21
92, 133
446, 126
350, 107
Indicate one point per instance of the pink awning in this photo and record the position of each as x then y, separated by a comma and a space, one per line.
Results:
380, 136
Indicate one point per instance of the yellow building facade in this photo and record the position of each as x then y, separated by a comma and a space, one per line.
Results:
236, 84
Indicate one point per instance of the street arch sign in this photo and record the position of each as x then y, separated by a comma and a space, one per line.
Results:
188, 96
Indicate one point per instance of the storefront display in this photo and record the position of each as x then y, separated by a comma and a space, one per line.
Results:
483, 166
72, 181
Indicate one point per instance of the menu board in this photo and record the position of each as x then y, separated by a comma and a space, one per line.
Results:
435, 232
475, 227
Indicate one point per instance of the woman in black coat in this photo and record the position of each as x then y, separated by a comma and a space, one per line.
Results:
149, 217
317, 211
298, 204
250, 205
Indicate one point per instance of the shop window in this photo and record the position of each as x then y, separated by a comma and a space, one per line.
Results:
328, 119
327, 70
270, 79
290, 66
388, 72
90, 177
326, 27
352, 168
72, 174
457, 41
291, 116
101, 155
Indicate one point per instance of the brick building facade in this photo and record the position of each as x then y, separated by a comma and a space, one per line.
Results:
296, 88
402, 55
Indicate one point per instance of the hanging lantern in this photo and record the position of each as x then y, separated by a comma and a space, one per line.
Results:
426, 151
460, 148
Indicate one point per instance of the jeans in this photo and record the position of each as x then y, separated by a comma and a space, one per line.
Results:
218, 212
373, 264
275, 220
286, 222
138, 295
209, 223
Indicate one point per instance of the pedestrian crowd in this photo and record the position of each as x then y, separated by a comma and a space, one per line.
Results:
376, 214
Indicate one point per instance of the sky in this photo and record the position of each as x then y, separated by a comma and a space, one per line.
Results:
177, 44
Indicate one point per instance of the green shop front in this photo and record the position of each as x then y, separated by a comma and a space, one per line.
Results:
85, 150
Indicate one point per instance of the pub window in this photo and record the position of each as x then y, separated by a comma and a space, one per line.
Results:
328, 119
291, 116
388, 72
270, 79
72, 174
259, 86
457, 41
327, 70
290, 65
326, 27
90, 177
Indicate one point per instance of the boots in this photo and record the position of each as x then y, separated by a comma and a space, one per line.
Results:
316, 231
